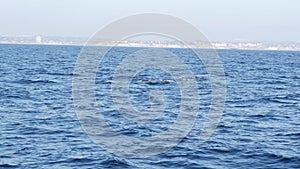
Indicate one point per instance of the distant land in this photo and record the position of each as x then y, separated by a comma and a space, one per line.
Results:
52, 40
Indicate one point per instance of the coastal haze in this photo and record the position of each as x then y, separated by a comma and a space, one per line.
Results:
221, 21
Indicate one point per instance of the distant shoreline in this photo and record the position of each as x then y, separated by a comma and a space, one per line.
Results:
145, 46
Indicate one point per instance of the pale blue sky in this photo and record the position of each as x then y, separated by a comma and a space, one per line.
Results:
223, 20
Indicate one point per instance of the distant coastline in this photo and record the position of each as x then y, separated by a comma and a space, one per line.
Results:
71, 41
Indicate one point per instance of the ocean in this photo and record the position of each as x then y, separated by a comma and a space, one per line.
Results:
259, 128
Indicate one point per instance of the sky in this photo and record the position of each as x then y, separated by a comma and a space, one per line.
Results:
218, 20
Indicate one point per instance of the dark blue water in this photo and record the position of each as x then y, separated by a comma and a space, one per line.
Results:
260, 127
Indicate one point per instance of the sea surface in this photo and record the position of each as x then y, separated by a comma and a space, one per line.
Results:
260, 127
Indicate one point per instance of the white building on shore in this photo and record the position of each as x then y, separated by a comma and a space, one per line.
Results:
38, 39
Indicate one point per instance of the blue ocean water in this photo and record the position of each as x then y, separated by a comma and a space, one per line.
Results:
260, 127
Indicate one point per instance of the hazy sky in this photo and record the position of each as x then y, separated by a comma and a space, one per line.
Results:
224, 20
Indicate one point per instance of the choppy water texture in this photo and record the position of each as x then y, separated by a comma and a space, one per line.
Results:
260, 127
